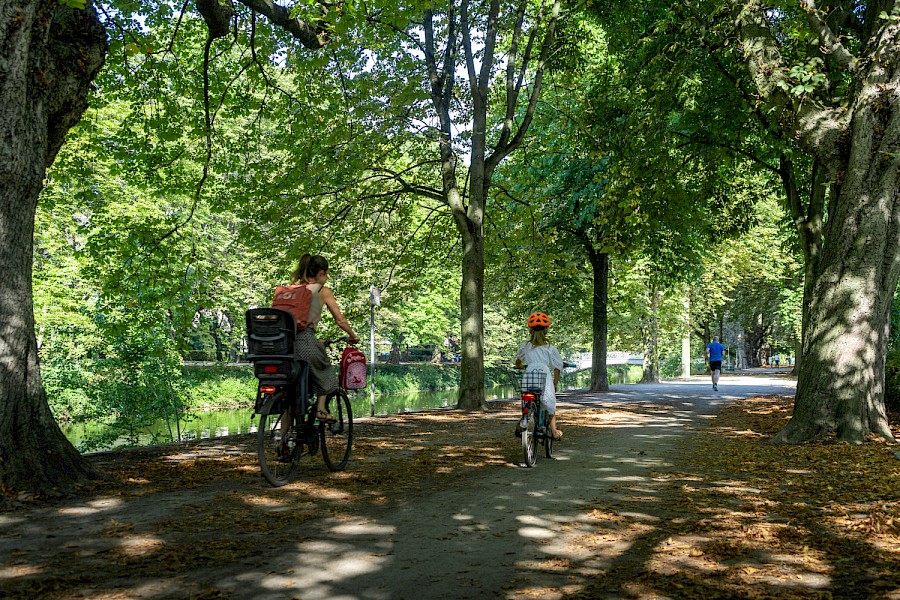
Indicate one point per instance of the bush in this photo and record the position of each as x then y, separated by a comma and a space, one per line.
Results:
415, 378
218, 386
65, 383
892, 380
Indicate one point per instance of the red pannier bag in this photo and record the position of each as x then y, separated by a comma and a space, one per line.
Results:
296, 299
353, 369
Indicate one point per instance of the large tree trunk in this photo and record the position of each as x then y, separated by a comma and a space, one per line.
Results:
600, 321
841, 383
50, 56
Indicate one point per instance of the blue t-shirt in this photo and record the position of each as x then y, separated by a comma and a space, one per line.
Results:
715, 351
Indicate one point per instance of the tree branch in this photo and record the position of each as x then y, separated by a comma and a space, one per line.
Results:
311, 37
830, 42
502, 152
218, 15
817, 128
730, 148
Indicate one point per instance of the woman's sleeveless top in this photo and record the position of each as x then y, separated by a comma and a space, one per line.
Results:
315, 305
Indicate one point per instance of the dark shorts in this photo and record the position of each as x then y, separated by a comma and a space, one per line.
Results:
715, 365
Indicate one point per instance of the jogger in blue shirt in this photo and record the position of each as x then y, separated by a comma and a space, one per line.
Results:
714, 352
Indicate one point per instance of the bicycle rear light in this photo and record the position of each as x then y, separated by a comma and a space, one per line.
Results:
267, 389
529, 397
270, 369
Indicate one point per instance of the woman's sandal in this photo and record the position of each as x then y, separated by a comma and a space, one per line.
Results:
325, 416
557, 437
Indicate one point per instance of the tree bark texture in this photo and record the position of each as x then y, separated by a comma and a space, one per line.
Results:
50, 56
852, 280
600, 322
471, 390
841, 383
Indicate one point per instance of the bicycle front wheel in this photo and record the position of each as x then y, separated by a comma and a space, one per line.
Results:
548, 441
337, 436
277, 448
529, 436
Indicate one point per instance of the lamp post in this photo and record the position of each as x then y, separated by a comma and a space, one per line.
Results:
374, 300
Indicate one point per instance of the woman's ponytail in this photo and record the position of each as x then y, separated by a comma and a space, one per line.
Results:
299, 273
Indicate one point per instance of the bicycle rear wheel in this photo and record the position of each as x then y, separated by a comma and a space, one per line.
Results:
337, 437
529, 436
278, 450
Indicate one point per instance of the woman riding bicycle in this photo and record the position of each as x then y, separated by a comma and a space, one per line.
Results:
312, 271
541, 356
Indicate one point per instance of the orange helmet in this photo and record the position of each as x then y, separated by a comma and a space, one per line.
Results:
538, 319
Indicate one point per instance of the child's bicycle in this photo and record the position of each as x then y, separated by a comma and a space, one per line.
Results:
288, 428
534, 427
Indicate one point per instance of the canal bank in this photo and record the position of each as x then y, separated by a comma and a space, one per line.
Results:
211, 421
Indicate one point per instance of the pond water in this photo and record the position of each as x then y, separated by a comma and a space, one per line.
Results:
218, 423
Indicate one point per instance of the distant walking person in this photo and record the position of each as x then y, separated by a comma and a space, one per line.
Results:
714, 353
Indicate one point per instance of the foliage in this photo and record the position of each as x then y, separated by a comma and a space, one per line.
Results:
892, 379
217, 387
141, 215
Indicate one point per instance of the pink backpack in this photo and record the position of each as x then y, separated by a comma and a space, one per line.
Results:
353, 369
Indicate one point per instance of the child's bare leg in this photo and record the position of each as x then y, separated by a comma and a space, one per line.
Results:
320, 403
553, 430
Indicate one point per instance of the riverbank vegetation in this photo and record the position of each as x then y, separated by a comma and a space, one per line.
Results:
99, 420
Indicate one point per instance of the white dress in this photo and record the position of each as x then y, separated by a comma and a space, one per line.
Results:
545, 359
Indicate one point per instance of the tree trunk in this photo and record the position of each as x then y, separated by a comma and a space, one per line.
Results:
808, 218
50, 56
841, 383
217, 341
651, 340
394, 356
686, 339
600, 322
471, 297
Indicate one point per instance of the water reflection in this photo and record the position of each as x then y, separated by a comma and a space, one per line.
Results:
218, 423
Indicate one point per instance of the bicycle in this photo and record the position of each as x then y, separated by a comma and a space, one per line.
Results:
535, 424
288, 428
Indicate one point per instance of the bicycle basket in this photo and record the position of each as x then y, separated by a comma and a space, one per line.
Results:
533, 381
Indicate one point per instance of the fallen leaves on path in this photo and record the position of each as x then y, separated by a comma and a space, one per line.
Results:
741, 517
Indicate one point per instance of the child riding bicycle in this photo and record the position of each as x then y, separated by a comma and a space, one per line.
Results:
539, 355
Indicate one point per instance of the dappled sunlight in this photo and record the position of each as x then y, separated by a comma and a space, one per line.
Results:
93, 507
537, 533
266, 501
139, 545
756, 532
13, 571
355, 527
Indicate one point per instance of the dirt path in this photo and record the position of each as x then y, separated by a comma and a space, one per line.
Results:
434, 505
